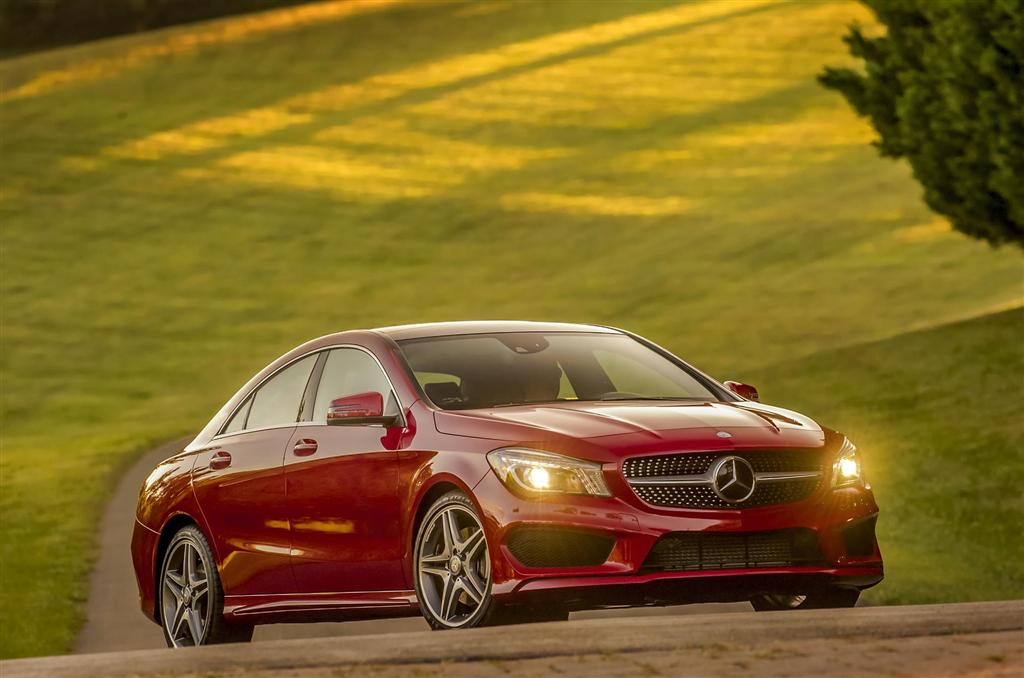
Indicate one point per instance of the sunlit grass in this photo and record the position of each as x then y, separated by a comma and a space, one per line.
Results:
603, 204
178, 41
385, 162
203, 134
207, 134
174, 223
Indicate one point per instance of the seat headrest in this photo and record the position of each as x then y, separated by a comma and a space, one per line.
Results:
443, 392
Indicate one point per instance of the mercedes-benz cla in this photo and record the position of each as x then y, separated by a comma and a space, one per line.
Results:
495, 472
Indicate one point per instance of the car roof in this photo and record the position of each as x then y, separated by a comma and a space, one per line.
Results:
445, 329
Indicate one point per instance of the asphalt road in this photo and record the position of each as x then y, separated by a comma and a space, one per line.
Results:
967, 639
115, 623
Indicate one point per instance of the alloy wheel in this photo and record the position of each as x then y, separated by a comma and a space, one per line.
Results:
454, 568
185, 595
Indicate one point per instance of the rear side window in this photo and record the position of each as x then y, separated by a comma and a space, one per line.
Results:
237, 422
277, 401
349, 371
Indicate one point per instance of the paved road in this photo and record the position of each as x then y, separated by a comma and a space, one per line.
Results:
114, 621
973, 639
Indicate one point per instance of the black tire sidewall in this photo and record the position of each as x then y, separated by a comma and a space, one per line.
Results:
820, 600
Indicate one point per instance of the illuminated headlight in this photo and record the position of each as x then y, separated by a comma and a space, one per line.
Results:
545, 472
846, 470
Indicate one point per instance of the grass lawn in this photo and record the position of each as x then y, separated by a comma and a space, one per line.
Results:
181, 207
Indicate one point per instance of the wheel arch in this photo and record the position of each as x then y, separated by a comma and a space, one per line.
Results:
429, 492
427, 499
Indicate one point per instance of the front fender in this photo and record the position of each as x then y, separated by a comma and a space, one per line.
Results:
422, 476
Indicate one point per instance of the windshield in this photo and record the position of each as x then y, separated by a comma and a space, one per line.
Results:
493, 370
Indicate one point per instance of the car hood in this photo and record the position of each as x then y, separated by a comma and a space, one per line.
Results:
638, 425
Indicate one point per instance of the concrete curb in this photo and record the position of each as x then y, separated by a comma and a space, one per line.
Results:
595, 636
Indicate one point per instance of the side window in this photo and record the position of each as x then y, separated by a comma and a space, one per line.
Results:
237, 422
277, 401
348, 371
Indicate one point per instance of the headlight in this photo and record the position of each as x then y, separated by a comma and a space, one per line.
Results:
545, 472
846, 470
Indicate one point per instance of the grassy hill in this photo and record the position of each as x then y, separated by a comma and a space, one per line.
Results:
179, 208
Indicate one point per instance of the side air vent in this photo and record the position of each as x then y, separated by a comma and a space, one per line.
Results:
859, 538
558, 547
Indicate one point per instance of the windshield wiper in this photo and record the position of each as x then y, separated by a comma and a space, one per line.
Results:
598, 400
640, 397
535, 402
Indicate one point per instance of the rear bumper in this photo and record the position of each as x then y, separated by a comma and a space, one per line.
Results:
842, 523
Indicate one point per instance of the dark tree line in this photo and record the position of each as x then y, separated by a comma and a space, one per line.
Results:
944, 88
36, 24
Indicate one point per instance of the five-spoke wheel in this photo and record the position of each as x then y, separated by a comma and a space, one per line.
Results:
185, 595
453, 573
191, 597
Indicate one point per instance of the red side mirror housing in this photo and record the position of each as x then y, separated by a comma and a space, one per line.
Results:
360, 409
745, 391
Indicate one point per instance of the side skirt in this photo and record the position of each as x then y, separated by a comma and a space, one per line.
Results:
314, 607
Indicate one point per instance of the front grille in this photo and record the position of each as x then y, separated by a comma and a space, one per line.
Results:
702, 496
683, 551
536, 546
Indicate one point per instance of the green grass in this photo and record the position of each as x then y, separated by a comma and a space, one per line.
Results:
936, 415
179, 208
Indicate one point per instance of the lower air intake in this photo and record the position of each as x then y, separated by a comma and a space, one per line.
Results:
681, 551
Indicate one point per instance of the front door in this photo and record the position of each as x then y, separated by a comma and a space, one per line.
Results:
342, 485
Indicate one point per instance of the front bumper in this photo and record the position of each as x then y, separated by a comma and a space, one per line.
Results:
144, 544
841, 520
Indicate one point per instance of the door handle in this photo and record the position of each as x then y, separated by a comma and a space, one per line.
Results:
221, 459
304, 447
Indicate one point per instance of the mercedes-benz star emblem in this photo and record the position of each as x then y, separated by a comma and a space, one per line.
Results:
733, 479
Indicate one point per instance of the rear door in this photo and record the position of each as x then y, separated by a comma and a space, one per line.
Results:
239, 483
342, 486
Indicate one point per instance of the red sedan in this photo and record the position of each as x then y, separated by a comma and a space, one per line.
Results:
495, 472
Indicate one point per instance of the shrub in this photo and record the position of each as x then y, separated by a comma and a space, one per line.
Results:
944, 88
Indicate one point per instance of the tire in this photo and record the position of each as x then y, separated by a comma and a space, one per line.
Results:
190, 596
829, 598
452, 566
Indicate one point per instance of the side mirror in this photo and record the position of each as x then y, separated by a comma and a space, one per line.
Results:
360, 409
745, 391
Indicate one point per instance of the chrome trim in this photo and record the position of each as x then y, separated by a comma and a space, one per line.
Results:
791, 475
221, 434
671, 480
708, 478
